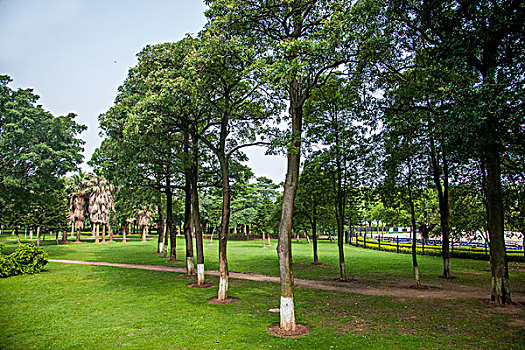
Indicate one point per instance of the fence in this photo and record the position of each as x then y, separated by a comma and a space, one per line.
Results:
457, 249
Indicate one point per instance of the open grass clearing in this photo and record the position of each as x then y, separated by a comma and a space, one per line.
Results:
369, 267
96, 307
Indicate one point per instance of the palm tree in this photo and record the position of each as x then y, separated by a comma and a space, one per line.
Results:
100, 205
77, 186
144, 218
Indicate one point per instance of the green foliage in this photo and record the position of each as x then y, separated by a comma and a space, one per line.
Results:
36, 149
26, 259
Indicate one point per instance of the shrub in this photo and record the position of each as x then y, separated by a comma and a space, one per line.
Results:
26, 259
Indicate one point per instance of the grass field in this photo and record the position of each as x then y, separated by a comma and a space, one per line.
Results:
94, 307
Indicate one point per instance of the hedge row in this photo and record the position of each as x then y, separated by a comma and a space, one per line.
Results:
26, 259
456, 252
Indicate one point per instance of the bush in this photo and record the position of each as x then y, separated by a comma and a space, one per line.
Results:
26, 259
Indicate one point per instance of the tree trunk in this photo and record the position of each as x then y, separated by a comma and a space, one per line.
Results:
444, 209
284, 248
110, 230
190, 264
225, 229
64, 238
413, 220
197, 224
160, 227
339, 211
78, 235
17, 236
72, 229
38, 236
169, 224
143, 233
97, 231
124, 231
103, 233
498, 256
314, 234
167, 230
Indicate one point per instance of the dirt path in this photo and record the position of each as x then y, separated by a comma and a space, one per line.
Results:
401, 290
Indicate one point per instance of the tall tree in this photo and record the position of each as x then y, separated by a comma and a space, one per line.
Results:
332, 115
481, 44
302, 42
36, 149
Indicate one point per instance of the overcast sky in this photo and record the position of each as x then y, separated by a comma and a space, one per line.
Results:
75, 54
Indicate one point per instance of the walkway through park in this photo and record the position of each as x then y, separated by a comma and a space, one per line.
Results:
404, 289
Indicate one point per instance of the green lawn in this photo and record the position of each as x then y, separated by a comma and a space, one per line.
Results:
93, 307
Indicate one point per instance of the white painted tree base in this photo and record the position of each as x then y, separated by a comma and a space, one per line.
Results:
161, 246
287, 314
223, 289
200, 273
190, 266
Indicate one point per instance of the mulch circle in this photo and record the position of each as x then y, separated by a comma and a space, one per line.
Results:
318, 264
345, 280
173, 261
196, 285
448, 278
186, 275
226, 301
514, 304
420, 287
300, 330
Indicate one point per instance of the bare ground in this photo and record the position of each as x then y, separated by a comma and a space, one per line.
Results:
401, 289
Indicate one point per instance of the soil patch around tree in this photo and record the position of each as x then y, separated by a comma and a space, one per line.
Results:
420, 287
196, 285
225, 301
345, 280
300, 331
448, 278
187, 274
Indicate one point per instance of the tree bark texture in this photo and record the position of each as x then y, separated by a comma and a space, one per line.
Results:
224, 230
284, 247
498, 256
169, 224
161, 226
413, 221
124, 232
97, 232
314, 234
196, 214
444, 209
190, 264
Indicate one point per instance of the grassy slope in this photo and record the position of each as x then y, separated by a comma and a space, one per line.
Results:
89, 307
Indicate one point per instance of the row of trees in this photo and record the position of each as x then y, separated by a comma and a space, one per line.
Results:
404, 86
391, 96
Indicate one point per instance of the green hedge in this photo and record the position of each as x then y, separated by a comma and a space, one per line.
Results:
456, 252
26, 259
